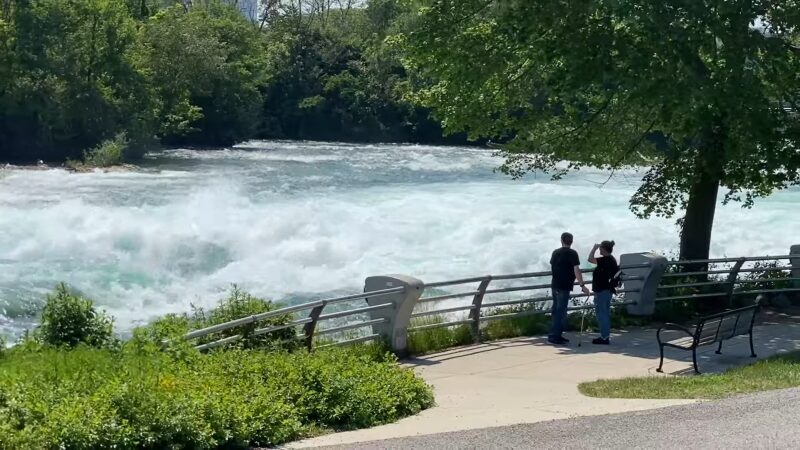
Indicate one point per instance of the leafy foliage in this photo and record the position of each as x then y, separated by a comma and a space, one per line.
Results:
76, 73
238, 304
68, 388
134, 398
704, 93
69, 320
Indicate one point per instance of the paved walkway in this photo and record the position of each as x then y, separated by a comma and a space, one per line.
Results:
525, 380
767, 420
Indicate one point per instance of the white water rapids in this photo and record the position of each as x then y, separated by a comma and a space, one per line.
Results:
291, 220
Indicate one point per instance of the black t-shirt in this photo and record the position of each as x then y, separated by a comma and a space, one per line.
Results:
601, 277
563, 263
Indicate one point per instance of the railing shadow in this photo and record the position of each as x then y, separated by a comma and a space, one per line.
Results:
770, 339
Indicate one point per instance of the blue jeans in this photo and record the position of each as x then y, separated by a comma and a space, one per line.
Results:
560, 304
602, 307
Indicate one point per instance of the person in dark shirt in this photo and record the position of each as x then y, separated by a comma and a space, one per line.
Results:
565, 267
603, 287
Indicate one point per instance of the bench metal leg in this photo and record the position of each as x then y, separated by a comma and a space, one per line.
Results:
752, 350
719, 349
694, 360
661, 363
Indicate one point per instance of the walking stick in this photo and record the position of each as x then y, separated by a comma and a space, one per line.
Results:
583, 317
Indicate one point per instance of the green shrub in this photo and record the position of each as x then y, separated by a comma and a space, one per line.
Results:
134, 398
109, 153
762, 278
435, 339
69, 319
236, 305
526, 325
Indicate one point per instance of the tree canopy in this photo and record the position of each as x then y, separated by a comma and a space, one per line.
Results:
76, 73
704, 92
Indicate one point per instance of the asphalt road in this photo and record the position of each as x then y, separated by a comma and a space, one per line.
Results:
764, 420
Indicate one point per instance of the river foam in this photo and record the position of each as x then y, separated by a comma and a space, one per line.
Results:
287, 220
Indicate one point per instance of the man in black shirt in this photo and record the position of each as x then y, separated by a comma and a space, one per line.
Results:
565, 267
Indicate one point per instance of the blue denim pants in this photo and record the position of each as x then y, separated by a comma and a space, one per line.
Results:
559, 311
602, 308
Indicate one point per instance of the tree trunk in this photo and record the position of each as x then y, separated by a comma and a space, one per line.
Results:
699, 219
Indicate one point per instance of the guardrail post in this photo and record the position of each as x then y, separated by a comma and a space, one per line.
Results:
395, 328
650, 272
309, 328
795, 261
475, 313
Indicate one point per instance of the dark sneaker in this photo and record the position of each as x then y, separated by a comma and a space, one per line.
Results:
601, 341
557, 341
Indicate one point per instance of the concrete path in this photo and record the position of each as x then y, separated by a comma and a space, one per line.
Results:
526, 380
766, 420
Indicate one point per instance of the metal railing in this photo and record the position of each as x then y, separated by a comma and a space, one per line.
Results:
391, 313
309, 322
705, 284
480, 310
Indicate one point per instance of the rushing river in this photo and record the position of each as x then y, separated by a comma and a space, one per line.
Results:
290, 220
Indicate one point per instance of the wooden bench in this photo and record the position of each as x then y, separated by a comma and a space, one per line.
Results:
709, 330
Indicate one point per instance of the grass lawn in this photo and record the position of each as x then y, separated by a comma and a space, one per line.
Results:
773, 373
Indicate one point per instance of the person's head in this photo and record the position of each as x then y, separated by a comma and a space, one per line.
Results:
566, 239
606, 248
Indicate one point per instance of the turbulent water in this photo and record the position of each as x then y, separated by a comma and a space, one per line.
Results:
290, 220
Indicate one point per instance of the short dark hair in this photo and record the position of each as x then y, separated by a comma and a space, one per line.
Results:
607, 246
567, 238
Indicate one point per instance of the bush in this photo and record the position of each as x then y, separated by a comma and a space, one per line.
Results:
526, 325
109, 153
134, 398
69, 319
236, 305
435, 339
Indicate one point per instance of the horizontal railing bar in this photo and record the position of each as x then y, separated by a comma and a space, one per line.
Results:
379, 293
443, 311
767, 280
357, 340
688, 262
250, 319
517, 302
624, 278
448, 296
690, 297
440, 325
351, 326
622, 291
766, 269
515, 276
293, 323
691, 274
454, 282
351, 312
766, 291
528, 287
278, 312
686, 285
224, 341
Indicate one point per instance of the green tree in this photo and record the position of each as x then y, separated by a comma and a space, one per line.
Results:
68, 80
702, 92
206, 66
